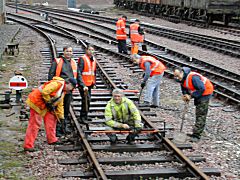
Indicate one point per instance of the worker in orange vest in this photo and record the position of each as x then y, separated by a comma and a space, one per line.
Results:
87, 68
198, 87
121, 35
46, 102
154, 71
136, 34
65, 67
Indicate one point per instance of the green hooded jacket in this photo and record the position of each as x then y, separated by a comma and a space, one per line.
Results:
124, 113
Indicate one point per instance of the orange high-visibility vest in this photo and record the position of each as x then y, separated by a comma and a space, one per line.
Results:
189, 85
36, 95
156, 66
88, 74
60, 64
134, 35
121, 32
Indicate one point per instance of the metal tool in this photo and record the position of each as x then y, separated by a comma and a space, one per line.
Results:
181, 137
86, 106
139, 98
122, 131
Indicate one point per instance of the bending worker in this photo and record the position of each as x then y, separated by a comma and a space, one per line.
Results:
121, 113
46, 102
87, 68
154, 71
65, 67
136, 34
122, 35
198, 87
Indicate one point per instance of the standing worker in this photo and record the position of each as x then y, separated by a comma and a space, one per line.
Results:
196, 86
154, 71
46, 102
87, 68
121, 113
65, 67
136, 34
122, 35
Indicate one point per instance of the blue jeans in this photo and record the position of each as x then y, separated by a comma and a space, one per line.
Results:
152, 93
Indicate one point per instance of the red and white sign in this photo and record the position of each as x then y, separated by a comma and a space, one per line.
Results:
18, 83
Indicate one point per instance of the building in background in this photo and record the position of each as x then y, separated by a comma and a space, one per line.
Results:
71, 3
2, 11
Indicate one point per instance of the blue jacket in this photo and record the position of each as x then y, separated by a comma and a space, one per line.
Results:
198, 84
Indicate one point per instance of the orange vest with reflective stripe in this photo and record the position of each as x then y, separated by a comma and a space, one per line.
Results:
156, 66
189, 85
121, 32
134, 35
36, 96
88, 73
60, 64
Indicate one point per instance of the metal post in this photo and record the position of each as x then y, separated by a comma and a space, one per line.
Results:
18, 96
16, 2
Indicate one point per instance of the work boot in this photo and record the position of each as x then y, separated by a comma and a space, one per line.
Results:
59, 130
154, 106
194, 139
130, 139
145, 104
68, 126
68, 129
113, 139
30, 149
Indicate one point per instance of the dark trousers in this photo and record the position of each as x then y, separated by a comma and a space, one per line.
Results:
201, 116
122, 46
67, 122
85, 103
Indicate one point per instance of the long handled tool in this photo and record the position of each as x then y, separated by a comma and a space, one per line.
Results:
180, 137
61, 122
139, 98
122, 131
86, 106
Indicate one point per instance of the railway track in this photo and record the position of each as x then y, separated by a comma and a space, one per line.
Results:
168, 159
226, 83
225, 46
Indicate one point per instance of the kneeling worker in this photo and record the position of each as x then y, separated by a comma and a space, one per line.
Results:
122, 114
46, 102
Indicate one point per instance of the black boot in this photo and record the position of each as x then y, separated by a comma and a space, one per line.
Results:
68, 126
130, 139
59, 130
113, 138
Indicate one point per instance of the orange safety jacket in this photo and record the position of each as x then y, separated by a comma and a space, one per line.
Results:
88, 73
60, 64
134, 34
189, 85
121, 31
51, 91
156, 66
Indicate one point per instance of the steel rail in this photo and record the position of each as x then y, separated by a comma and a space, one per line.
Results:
228, 94
191, 166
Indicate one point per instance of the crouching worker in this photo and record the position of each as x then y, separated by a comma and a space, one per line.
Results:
122, 114
46, 102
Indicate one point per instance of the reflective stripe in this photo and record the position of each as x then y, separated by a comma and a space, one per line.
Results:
108, 118
121, 35
114, 113
128, 115
154, 67
203, 79
88, 73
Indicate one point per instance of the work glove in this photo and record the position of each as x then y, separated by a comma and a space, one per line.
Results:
125, 126
143, 84
186, 97
85, 88
136, 130
50, 106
